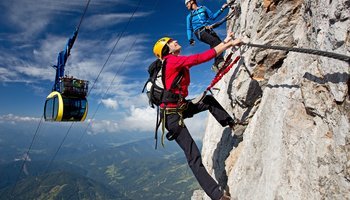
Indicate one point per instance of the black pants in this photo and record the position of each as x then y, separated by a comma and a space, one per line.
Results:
182, 136
209, 36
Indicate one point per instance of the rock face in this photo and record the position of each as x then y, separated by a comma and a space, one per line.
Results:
297, 141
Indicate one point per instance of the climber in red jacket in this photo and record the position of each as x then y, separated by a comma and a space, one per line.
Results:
173, 113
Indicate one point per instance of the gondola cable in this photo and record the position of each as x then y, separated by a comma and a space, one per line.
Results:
27, 153
115, 44
104, 65
106, 92
67, 101
110, 85
41, 119
88, 93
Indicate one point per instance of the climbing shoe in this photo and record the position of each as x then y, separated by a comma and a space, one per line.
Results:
238, 127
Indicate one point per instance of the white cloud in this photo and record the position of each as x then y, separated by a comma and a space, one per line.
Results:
135, 100
7, 75
103, 126
110, 103
31, 17
140, 119
35, 72
196, 125
104, 20
143, 119
13, 119
137, 120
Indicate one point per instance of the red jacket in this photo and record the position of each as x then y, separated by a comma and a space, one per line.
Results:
174, 64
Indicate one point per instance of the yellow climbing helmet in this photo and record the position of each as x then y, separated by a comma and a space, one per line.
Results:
159, 46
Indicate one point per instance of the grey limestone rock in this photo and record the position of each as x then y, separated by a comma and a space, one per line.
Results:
297, 141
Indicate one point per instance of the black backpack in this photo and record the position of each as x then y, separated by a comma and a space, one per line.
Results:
155, 89
155, 85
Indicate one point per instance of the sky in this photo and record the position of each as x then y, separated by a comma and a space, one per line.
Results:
34, 31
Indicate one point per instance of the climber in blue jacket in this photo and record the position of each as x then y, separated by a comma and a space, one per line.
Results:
198, 23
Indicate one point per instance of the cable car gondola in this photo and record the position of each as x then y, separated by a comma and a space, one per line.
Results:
70, 105
67, 101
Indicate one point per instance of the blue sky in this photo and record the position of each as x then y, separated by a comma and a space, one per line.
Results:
34, 31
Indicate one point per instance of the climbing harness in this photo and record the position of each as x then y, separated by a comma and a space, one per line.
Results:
302, 50
168, 111
198, 31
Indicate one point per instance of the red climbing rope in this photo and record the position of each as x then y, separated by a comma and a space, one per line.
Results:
223, 71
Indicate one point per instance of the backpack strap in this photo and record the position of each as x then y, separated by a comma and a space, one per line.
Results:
156, 128
144, 87
175, 82
170, 97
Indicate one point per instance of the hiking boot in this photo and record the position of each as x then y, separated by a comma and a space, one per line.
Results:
225, 197
238, 127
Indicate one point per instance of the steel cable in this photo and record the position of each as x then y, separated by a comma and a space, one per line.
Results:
303, 50
104, 65
41, 119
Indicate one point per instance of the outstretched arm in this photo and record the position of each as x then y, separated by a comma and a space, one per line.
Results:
215, 15
228, 42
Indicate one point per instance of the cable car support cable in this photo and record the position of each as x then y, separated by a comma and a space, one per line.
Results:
118, 69
27, 153
42, 117
104, 65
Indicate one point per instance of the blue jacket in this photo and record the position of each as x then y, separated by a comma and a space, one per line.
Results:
199, 18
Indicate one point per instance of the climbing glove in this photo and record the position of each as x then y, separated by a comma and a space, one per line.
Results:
223, 7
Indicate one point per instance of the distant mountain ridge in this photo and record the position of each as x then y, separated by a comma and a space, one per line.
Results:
142, 171
135, 169
61, 185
